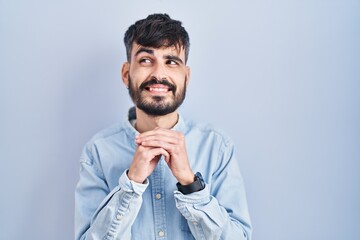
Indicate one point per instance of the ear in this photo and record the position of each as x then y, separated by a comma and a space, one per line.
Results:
125, 73
187, 76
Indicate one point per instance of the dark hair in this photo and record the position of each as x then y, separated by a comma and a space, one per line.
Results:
157, 30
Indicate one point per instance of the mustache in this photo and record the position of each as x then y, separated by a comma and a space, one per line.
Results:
153, 81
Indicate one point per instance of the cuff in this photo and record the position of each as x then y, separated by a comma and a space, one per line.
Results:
130, 186
193, 198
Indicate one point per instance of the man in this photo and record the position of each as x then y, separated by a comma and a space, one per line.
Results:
158, 176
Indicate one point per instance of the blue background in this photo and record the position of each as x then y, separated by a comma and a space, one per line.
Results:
281, 77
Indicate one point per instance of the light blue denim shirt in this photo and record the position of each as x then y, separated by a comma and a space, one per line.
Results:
110, 206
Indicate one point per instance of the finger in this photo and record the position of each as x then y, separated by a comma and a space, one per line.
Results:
158, 131
158, 141
167, 156
159, 144
174, 147
173, 138
154, 152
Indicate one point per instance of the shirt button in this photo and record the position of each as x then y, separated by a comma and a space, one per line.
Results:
158, 196
119, 216
161, 233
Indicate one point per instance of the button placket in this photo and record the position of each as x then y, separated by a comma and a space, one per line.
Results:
157, 188
161, 233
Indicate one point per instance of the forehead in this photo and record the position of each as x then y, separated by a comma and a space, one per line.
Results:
162, 51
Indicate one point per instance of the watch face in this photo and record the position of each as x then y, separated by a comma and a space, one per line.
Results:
200, 181
199, 176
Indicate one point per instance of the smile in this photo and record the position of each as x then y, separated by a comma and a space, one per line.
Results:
158, 88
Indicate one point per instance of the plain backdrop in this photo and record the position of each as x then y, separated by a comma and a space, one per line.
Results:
281, 77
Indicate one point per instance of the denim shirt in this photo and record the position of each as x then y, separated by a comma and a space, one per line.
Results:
108, 205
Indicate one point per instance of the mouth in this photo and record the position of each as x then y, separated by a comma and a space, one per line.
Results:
158, 88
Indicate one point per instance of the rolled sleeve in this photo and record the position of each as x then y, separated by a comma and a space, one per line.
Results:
130, 186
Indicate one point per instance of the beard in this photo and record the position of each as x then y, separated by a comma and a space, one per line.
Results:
156, 105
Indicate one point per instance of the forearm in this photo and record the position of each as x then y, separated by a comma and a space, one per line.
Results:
115, 215
207, 219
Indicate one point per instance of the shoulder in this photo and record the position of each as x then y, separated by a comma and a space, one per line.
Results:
109, 133
115, 129
208, 131
103, 137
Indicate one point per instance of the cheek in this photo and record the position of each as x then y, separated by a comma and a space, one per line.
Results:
180, 79
137, 77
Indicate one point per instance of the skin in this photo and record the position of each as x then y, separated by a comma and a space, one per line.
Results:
156, 137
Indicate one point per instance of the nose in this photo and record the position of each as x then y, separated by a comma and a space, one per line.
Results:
159, 71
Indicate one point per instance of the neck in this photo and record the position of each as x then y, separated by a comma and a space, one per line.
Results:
146, 123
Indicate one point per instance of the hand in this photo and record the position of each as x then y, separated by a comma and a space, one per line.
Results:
172, 142
144, 162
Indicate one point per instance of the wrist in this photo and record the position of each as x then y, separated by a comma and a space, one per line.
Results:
197, 185
134, 178
190, 178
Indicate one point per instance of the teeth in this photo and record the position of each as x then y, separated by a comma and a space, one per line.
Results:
158, 89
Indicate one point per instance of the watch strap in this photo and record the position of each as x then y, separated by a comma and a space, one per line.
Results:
196, 186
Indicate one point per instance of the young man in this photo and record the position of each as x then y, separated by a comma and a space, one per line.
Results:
158, 176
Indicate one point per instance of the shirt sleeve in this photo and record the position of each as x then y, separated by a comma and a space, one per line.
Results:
99, 212
219, 211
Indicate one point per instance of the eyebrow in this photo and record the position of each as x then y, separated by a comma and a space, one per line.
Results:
147, 50
150, 51
172, 57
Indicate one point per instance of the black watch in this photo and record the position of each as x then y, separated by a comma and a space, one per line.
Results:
196, 186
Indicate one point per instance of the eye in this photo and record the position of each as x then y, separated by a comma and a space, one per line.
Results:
171, 62
145, 60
